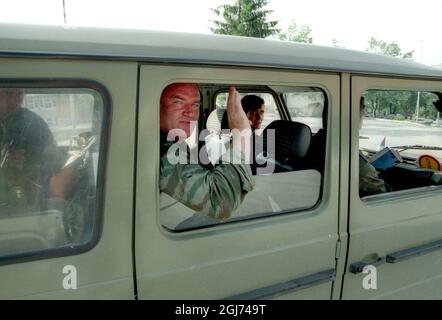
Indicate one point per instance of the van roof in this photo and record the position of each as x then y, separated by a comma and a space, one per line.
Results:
153, 46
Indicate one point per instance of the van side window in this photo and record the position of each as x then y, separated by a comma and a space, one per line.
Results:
400, 141
50, 140
307, 105
206, 187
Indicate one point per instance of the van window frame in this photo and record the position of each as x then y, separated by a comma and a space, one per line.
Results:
106, 116
395, 83
405, 193
285, 115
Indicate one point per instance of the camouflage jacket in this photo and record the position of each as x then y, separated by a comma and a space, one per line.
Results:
215, 192
369, 182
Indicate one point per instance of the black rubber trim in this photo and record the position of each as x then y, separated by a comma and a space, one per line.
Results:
401, 255
287, 287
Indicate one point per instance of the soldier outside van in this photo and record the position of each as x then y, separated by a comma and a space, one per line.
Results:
29, 158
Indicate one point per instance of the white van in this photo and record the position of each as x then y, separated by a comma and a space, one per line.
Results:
82, 215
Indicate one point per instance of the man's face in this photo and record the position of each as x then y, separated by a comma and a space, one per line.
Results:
255, 117
180, 104
10, 100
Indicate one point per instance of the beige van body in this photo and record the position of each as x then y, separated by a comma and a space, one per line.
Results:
315, 252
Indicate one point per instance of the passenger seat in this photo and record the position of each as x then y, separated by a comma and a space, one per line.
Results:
290, 146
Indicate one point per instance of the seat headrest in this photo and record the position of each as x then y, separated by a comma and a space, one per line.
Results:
214, 121
292, 139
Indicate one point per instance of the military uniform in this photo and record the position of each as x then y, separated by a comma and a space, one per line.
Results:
24, 188
369, 182
215, 192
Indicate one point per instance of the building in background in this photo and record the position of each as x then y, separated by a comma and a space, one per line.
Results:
65, 114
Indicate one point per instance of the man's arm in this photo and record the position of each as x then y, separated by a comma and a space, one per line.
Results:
369, 182
216, 193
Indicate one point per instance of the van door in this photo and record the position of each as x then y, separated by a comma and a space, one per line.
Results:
272, 246
395, 234
66, 207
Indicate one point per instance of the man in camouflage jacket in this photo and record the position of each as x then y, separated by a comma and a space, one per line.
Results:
215, 192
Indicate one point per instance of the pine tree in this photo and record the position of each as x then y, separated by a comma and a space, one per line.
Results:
245, 18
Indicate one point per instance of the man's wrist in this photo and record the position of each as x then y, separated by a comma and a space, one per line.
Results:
242, 140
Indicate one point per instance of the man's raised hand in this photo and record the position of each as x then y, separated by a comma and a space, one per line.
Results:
235, 113
239, 123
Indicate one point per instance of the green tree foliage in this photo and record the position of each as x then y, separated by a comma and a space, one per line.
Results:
295, 33
399, 104
427, 109
245, 18
388, 49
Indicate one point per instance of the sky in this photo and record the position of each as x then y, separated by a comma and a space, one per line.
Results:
415, 25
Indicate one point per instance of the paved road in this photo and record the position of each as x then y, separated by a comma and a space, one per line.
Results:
398, 133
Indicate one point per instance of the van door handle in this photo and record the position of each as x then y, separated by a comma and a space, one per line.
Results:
358, 267
414, 251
